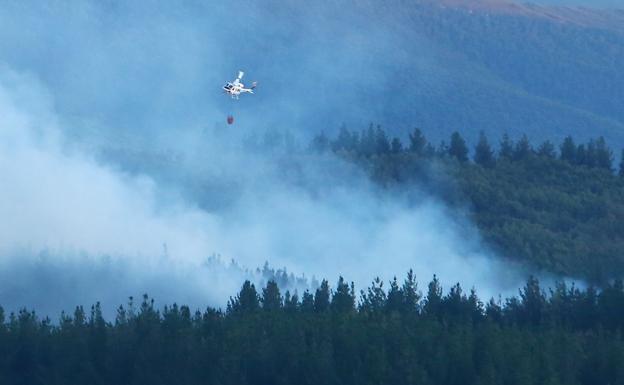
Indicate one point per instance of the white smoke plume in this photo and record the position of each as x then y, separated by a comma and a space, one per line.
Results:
78, 227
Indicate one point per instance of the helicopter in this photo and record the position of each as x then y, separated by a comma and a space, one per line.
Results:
236, 87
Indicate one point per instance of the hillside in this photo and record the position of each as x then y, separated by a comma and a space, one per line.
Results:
550, 210
492, 65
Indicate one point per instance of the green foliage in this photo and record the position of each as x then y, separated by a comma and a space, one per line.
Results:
484, 155
458, 148
569, 336
560, 213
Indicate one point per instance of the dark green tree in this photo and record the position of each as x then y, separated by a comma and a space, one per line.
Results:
506, 148
433, 300
568, 150
411, 295
247, 300
343, 299
307, 302
417, 142
382, 144
523, 149
396, 146
321, 297
604, 155
271, 298
484, 155
547, 150
458, 148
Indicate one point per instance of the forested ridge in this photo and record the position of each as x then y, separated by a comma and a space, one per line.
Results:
390, 333
557, 207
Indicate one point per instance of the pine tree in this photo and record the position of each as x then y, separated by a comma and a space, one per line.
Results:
604, 155
382, 145
411, 295
523, 149
374, 299
343, 300
484, 155
506, 148
271, 298
533, 302
247, 300
418, 142
394, 302
368, 141
307, 302
345, 140
291, 302
568, 150
321, 297
458, 148
547, 150
396, 146
433, 300
591, 155
581, 155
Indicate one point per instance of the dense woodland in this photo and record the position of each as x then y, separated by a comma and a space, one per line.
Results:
552, 206
556, 207
387, 334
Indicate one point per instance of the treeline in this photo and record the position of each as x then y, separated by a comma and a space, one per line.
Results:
555, 207
375, 141
384, 335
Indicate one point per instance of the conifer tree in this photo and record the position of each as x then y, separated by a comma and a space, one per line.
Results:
458, 148
523, 149
345, 140
506, 148
307, 302
291, 302
547, 150
417, 142
396, 146
568, 150
533, 302
484, 155
343, 299
247, 300
321, 297
271, 298
604, 155
411, 295
433, 300
368, 141
581, 155
395, 299
591, 154
382, 145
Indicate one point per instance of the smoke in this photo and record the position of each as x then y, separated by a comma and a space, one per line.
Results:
113, 184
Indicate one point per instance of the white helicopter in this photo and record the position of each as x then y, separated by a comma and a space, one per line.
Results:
236, 87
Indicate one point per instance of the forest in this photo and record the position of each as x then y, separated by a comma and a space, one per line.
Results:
389, 333
551, 207
558, 208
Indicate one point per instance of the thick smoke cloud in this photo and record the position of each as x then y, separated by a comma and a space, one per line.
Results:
116, 181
